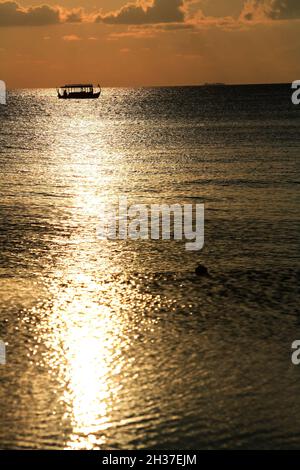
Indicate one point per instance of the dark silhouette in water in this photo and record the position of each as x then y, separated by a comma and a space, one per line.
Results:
201, 270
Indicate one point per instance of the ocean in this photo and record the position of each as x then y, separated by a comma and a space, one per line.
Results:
116, 344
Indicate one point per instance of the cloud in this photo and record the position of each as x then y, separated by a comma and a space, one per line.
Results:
71, 38
142, 12
73, 16
266, 10
13, 14
166, 15
133, 32
176, 26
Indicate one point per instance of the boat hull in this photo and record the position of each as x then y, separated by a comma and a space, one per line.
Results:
79, 96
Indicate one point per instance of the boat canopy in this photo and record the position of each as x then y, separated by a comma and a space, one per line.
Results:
78, 86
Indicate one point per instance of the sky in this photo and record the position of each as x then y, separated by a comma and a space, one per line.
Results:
148, 42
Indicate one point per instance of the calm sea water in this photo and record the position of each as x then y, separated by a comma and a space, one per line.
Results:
119, 345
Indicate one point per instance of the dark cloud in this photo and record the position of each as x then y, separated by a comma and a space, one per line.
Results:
285, 9
11, 14
74, 17
161, 11
176, 26
271, 10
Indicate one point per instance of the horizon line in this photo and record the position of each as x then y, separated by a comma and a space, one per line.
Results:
220, 84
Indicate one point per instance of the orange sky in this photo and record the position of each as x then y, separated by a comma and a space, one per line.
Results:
148, 42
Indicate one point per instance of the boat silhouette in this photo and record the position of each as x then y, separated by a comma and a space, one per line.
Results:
78, 92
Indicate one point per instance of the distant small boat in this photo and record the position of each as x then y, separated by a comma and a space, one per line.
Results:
78, 92
215, 84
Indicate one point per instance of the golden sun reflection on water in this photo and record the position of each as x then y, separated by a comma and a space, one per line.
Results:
87, 339
86, 346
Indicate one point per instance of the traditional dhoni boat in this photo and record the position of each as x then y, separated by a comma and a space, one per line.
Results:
78, 92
